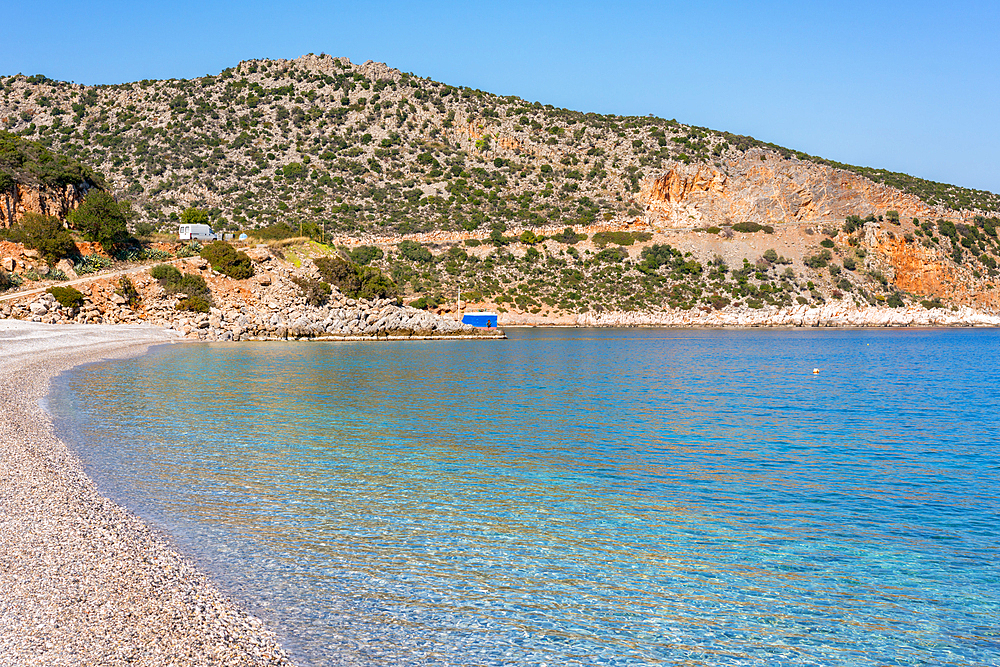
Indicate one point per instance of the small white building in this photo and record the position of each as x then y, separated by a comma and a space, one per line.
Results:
196, 232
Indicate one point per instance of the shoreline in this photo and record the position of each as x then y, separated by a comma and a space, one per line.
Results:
83, 580
833, 315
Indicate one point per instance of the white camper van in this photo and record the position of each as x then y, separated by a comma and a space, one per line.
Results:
196, 232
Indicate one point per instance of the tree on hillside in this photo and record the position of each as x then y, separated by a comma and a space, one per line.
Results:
102, 219
194, 216
44, 233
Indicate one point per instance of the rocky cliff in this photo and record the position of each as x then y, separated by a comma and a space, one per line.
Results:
763, 187
21, 198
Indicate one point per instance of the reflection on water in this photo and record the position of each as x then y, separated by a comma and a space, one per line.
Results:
575, 496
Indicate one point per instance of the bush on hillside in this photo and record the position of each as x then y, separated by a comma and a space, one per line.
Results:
195, 304
316, 292
357, 282
227, 260
366, 254
819, 260
126, 289
102, 219
752, 227
601, 239
569, 237
67, 297
44, 233
165, 272
414, 251
197, 296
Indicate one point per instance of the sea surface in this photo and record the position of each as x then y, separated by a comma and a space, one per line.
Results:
575, 496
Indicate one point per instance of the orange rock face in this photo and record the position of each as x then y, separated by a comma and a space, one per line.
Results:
926, 272
21, 199
770, 190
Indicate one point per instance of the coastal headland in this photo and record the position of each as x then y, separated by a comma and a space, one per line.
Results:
83, 581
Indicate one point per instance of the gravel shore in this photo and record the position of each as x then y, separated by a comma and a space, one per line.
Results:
83, 582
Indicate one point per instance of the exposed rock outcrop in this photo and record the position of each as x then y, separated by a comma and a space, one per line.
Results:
765, 188
22, 198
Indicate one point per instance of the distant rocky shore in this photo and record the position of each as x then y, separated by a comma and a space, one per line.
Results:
834, 314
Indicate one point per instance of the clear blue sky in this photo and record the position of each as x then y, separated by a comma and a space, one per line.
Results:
908, 86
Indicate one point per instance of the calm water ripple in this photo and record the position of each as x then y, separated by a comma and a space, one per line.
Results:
604, 497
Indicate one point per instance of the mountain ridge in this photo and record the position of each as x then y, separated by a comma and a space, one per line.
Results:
162, 144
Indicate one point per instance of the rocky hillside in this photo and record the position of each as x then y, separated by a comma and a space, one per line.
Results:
545, 214
322, 141
270, 305
36, 180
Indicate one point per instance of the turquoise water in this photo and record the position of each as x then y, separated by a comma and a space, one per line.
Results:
593, 497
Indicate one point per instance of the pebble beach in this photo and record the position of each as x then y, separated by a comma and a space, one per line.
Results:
83, 581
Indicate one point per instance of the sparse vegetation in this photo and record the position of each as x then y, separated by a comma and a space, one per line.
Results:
44, 233
225, 259
191, 287
68, 297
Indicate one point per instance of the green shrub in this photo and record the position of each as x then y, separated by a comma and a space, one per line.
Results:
316, 292
44, 233
826, 243
895, 300
850, 264
472, 243
357, 282
196, 304
602, 239
415, 252
529, 237
126, 289
67, 296
191, 285
569, 237
366, 254
852, 223
819, 260
718, 302
425, 302
608, 255
102, 219
225, 259
144, 229
165, 272
747, 227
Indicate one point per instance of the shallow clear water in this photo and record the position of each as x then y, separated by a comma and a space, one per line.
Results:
576, 496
